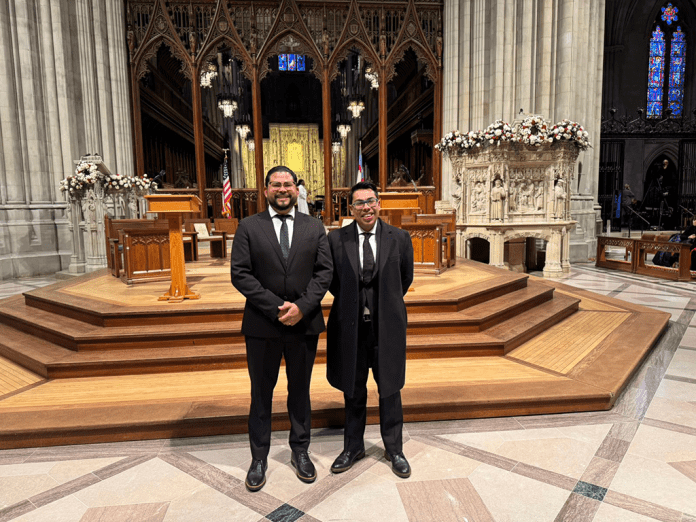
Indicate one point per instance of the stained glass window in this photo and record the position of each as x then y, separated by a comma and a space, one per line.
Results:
656, 73
669, 14
291, 62
676, 72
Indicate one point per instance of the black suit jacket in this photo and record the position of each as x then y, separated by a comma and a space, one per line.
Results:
259, 272
394, 276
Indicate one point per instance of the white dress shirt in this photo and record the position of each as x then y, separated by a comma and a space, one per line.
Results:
277, 223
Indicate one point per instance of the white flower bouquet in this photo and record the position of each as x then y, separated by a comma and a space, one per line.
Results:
571, 131
86, 174
457, 140
497, 132
533, 130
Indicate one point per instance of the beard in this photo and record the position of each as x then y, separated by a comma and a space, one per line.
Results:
273, 201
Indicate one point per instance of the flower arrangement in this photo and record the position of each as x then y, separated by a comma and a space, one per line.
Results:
571, 131
533, 130
86, 174
457, 140
497, 132
117, 182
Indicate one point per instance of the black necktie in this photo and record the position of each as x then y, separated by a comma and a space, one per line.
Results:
368, 259
284, 237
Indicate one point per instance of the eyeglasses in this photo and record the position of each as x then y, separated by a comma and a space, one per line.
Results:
278, 186
360, 204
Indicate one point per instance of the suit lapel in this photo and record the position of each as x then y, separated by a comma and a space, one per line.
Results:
350, 244
383, 245
298, 231
268, 229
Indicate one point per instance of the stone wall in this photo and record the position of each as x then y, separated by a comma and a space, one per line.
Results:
63, 93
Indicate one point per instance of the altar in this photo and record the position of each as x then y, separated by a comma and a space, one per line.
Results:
513, 182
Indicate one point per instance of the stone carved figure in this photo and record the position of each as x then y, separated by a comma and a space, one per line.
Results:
325, 42
498, 196
477, 197
539, 195
512, 200
559, 198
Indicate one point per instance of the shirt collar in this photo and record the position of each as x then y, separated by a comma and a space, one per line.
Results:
373, 230
273, 212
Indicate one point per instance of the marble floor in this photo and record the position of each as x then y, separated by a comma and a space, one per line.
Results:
636, 462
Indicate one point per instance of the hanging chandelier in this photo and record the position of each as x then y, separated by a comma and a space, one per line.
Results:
336, 147
251, 144
210, 72
356, 106
343, 129
227, 104
243, 130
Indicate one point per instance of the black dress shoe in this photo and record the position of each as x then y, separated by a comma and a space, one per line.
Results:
304, 469
346, 460
256, 476
400, 465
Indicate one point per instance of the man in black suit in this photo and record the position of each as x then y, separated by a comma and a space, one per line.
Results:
281, 263
373, 269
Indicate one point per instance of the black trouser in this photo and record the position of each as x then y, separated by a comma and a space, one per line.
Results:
391, 419
263, 360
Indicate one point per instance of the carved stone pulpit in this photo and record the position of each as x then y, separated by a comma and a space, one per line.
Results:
174, 207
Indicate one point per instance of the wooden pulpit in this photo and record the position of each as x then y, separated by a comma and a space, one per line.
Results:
174, 207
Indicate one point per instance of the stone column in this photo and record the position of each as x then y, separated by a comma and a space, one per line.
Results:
88, 77
497, 249
552, 267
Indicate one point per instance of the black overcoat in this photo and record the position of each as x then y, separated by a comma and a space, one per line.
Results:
259, 272
394, 276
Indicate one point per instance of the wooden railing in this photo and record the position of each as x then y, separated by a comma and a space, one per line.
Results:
636, 250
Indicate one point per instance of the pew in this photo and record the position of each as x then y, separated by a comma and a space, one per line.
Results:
202, 227
449, 234
227, 226
145, 254
114, 248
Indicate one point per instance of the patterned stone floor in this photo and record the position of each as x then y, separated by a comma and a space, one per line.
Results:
636, 462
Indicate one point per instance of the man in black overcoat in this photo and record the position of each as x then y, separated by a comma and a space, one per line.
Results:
373, 269
281, 263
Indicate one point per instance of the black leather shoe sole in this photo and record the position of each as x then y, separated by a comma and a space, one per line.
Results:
348, 466
306, 480
255, 488
397, 473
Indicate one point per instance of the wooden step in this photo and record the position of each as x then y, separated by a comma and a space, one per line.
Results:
482, 315
79, 336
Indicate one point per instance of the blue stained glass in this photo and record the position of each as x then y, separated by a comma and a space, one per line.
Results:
669, 14
300, 62
656, 73
292, 62
677, 57
282, 62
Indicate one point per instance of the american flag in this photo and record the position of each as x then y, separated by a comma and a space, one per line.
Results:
361, 174
226, 191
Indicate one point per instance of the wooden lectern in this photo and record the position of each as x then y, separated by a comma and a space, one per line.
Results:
174, 207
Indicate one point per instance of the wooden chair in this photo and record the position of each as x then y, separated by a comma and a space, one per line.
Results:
449, 234
218, 243
226, 226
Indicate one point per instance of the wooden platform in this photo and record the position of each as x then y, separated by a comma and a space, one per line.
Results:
94, 360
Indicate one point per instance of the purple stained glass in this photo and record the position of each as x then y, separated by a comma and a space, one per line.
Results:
677, 58
292, 62
282, 62
300, 62
669, 14
656, 73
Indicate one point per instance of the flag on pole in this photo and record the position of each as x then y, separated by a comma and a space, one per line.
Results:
226, 191
361, 174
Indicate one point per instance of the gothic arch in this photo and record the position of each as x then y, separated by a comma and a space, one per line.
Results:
341, 53
150, 49
422, 54
273, 46
670, 150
